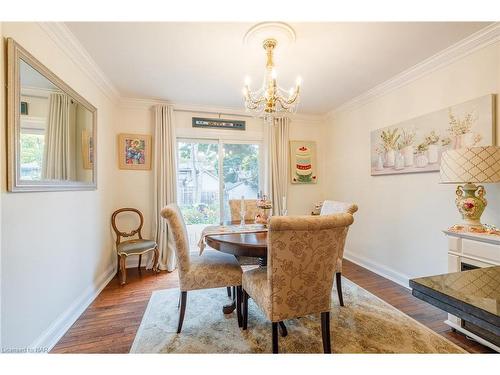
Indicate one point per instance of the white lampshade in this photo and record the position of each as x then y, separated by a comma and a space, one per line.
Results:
474, 164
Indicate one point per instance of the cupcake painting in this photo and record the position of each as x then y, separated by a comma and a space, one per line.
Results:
303, 162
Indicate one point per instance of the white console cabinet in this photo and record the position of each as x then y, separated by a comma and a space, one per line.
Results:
468, 251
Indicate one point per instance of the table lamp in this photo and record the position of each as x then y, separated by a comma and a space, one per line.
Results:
469, 166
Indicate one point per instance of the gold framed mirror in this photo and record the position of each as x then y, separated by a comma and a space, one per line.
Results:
51, 131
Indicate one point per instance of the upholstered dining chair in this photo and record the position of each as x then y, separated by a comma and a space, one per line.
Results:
250, 209
331, 208
298, 279
138, 246
213, 269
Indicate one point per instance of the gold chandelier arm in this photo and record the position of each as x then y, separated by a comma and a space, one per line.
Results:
284, 103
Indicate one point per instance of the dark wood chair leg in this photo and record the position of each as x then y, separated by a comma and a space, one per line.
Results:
182, 311
117, 265
123, 270
325, 332
275, 338
140, 261
244, 297
283, 330
229, 291
238, 306
338, 276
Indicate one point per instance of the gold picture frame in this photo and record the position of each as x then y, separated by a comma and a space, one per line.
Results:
134, 151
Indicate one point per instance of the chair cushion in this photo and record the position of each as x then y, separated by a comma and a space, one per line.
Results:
213, 269
135, 246
255, 284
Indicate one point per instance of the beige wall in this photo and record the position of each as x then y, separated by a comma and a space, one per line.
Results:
398, 228
56, 247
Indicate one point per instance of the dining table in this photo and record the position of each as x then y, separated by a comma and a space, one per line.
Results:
242, 245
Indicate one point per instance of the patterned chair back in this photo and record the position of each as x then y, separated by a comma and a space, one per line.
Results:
177, 228
336, 207
302, 253
250, 206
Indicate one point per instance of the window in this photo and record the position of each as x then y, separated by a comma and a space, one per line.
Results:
210, 172
31, 155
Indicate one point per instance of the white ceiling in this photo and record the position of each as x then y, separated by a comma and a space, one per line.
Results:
206, 63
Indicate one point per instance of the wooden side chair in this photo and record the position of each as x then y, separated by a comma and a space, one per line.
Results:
213, 269
332, 208
137, 246
301, 258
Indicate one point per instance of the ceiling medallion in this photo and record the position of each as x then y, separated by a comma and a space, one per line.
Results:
271, 100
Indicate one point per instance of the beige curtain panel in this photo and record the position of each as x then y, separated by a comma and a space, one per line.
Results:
277, 139
164, 182
58, 135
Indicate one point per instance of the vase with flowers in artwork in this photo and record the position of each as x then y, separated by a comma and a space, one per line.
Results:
421, 159
390, 139
433, 147
399, 162
406, 146
461, 130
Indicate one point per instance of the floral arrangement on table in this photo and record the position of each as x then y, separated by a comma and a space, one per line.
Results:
264, 205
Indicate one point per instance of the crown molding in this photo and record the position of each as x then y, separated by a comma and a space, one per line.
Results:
144, 103
483, 38
72, 47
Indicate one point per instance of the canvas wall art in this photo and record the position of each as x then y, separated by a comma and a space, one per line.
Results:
134, 151
416, 145
303, 162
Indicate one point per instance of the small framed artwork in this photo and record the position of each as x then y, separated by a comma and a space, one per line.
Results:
87, 150
134, 151
303, 162
24, 108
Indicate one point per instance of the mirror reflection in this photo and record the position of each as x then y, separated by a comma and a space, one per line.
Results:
56, 132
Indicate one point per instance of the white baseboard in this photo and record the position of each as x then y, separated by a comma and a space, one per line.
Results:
378, 268
49, 338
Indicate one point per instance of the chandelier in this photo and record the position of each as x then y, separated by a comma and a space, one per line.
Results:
271, 100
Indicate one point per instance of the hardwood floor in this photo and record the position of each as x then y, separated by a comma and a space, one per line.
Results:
110, 323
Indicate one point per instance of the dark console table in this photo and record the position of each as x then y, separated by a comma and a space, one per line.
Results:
473, 296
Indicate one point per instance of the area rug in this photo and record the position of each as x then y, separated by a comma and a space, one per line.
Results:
365, 325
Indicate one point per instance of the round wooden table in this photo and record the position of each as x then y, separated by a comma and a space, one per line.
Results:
241, 244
